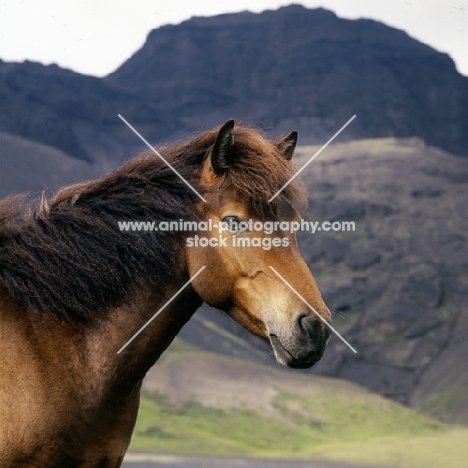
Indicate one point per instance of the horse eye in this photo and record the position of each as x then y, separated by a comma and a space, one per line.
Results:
232, 224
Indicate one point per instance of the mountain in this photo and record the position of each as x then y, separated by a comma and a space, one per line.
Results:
69, 111
303, 69
30, 166
290, 68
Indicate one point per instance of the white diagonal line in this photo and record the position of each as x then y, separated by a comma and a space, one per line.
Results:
157, 153
161, 309
312, 158
313, 310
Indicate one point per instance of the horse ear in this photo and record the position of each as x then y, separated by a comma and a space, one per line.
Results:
223, 151
288, 144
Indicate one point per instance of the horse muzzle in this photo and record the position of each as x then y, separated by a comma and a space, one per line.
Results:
303, 347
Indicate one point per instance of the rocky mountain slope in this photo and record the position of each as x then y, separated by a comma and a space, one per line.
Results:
399, 281
30, 166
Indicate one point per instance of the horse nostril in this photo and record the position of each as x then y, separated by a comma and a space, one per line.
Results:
306, 324
300, 323
312, 326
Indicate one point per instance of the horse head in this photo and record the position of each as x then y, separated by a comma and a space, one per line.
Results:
254, 270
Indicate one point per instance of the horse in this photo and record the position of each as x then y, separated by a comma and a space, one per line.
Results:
74, 288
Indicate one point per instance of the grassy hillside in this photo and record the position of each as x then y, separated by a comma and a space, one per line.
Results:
446, 450
201, 403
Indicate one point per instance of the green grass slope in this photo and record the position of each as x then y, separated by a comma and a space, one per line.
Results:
187, 408
446, 450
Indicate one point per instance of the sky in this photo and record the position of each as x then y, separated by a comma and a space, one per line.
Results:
95, 37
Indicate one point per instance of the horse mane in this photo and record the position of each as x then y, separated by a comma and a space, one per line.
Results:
67, 257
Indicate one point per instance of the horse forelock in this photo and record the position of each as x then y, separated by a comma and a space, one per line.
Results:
259, 171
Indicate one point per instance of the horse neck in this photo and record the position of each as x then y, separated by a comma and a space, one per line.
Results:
128, 366
120, 364
117, 377
91, 349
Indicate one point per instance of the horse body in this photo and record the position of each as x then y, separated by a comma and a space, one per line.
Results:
73, 290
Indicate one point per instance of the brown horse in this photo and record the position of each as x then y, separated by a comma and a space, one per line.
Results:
74, 288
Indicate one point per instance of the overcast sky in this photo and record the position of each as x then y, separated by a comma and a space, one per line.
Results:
96, 36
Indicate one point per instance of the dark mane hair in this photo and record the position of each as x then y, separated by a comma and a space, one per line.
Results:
67, 257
